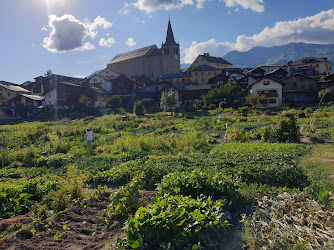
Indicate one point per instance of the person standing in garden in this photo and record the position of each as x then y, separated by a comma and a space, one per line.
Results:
89, 138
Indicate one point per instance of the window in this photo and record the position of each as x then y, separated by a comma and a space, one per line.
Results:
272, 101
209, 73
8, 93
202, 80
202, 74
0, 95
215, 73
266, 82
107, 72
302, 86
95, 80
195, 73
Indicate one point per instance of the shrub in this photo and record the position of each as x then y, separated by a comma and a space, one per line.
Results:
126, 199
139, 108
287, 129
237, 135
179, 222
212, 106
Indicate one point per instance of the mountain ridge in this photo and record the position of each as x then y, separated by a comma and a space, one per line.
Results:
279, 54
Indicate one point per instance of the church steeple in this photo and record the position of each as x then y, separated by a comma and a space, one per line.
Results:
170, 37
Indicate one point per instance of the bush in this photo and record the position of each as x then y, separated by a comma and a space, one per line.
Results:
126, 199
139, 108
179, 222
212, 106
287, 129
237, 135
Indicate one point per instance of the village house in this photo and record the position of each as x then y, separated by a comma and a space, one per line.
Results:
255, 75
300, 88
32, 103
215, 62
318, 67
8, 91
269, 87
203, 73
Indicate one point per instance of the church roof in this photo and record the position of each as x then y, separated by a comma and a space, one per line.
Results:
170, 36
132, 54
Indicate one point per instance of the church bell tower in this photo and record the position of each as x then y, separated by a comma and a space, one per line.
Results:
170, 53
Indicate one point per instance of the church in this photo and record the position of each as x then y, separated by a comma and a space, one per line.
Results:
149, 61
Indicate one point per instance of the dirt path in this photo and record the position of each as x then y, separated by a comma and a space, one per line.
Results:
81, 227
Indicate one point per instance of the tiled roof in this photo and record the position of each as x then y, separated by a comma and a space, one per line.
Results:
132, 54
176, 75
14, 88
33, 97
147, 89
204, 68
216, 59
93, 74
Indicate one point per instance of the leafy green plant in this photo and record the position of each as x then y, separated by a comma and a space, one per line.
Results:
125, 200
179, 222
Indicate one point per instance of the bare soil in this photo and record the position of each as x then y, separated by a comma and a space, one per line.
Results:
81, 227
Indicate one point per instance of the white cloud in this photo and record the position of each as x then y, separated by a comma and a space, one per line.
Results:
255, 5
154, 5
68, 33
44, 28
200, 3
125, 10
318, 29
212, 46
130, 42
107, 42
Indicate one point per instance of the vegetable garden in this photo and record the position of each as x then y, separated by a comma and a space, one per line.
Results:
214, 176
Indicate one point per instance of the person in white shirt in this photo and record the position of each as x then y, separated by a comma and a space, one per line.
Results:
89, 137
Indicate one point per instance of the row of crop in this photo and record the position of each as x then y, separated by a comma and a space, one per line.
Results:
271, 164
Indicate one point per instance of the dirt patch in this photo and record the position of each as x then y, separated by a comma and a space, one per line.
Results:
81, 227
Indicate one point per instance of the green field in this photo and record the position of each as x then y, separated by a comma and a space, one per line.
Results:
261, 180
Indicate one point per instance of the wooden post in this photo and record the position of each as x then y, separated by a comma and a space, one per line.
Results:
3, 152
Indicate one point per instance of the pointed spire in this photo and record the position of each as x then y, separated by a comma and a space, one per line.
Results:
170, 37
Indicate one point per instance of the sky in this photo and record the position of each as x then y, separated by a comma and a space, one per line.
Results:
79, 37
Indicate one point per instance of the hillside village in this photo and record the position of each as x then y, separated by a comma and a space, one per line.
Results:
148, 73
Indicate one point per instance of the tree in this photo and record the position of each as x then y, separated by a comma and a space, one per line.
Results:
114, 102
48, 73
197, 104
230, 92
257, 100
139, 108
20, 109
325, 95
287, 128
168, 101
84, 104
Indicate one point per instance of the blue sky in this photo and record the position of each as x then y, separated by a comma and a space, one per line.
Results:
78, 37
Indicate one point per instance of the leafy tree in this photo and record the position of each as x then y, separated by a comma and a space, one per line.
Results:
229, 92
48, 73
287, 128
114, 102
168, 101
139, 108
197, 104
325, 95
84, 105
20, 109
257, 101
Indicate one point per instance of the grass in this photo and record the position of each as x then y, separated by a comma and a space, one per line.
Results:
322, 156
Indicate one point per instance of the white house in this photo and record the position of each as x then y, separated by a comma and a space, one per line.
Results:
269, 87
